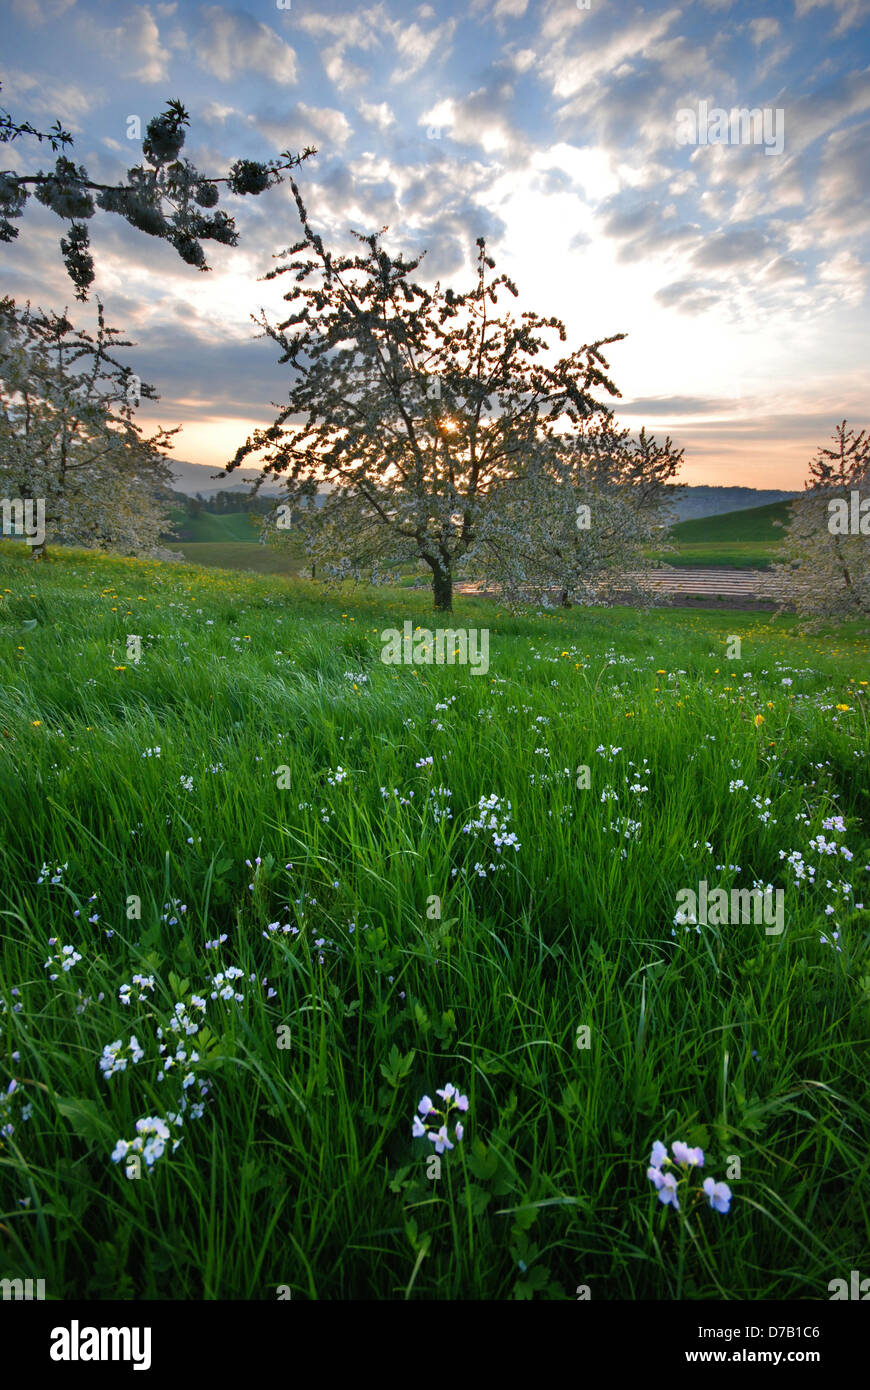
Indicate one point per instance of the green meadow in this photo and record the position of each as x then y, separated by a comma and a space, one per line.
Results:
262, 893
748, 539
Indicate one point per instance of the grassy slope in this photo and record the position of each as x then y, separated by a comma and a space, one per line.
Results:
231, 541
302, 1169
241, 555
753, 524
743, 540
213, 527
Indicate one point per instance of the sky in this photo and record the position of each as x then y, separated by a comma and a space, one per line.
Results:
738, 267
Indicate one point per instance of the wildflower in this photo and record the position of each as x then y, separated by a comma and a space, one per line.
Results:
659, 1154
719, 1194
65, 958
667, 1184
437, 1130
684, 1155
667, 1189
440, 1140
112, 1060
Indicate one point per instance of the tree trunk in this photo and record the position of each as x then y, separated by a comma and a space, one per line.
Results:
442, 591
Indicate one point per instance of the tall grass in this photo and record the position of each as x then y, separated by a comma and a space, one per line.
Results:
301, 1170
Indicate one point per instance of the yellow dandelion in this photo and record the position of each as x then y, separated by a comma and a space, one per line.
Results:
844, 708
36, 723
119, 668
759, 719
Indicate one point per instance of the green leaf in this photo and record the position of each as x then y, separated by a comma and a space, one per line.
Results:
482, 1162
86, 1119
478, 1198
397, 1066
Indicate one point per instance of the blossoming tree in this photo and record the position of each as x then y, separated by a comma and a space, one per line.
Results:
68, 433
412, 409
166, 196
584, 518
825, 567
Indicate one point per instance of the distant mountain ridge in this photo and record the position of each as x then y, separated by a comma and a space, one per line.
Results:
698, 502
690, 505
193, 478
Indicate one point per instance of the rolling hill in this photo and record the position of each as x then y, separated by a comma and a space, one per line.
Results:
745, 539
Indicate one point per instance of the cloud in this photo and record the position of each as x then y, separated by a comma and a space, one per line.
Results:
679, 405
415, 46
732, 246
688, 297
371, 29
39, 12
644, 227
763, 29
784, 268
851, 12
582, 48
133, 46
378, 115
846, 277
843, 187
229, 42
66, 101
509, 9
482, 118
301, 125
